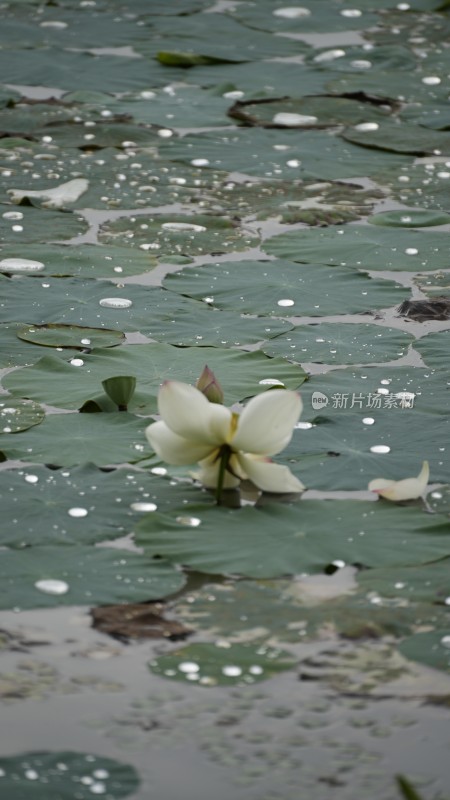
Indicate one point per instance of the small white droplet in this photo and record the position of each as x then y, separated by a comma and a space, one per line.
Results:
158, 471
115, 302
351, 12
183, 226
165, 133
368, 421
101, 774
192, 522
52, 586
411, 251
56, 24
98, 788
361, 64
367, 126
31, 478
285, 302
188, 666
431, 80
255, 669
235, 95
21, 265
31, 774
76, 362
231, 671
380, 448
292, 12
445, 641
293, 119
270, 382
293, 162
143, 506
77, 512
85, 341
12, 215
329, 55
200, 162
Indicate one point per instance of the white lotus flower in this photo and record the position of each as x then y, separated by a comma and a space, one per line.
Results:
229, 447
406, 489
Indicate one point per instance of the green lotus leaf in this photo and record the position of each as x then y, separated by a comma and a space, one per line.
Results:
213, 665
277, 540
373, 248
281, 287
340, 343
65, 385
40, 775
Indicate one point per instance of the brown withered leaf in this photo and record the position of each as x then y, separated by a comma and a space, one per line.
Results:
137, 621
423, 310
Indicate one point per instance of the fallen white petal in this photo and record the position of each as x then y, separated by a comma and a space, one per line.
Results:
57, 197
267, 422
269, 477
406, 489
175, 449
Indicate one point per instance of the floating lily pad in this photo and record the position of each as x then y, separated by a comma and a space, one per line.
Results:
305, 112
53, 335
434, 349
400, 138
90, 303
184, 107
84, 260
324, 203
347, 451
19, 415
78, 70
281, 287
82, 505
431, 649
65, 775
222, 39
340, 343
68, 439
280, 154
213, 665
80, 575
365, 248
437, 285
428, 583
67, 386
278, 540
116, 179
252, 80
59, 224
15, 352
409, 218
377, 392
310, 17
178, 235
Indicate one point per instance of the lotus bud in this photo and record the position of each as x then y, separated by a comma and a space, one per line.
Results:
120, 389
210, 386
